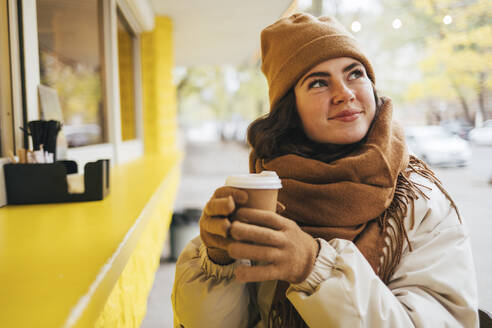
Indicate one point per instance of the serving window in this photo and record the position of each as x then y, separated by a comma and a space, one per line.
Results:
70, 61
89, 53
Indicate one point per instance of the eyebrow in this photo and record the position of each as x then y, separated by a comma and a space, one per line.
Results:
326, 74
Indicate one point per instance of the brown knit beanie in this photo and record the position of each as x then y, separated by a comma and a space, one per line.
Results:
293, 45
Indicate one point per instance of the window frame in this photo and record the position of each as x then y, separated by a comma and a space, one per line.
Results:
115, 149
130, 149
131, 23
10, 88
6, 118
10, 84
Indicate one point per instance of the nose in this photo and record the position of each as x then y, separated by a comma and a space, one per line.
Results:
341, 93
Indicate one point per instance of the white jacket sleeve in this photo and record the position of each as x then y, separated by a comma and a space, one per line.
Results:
434, 285
205, 294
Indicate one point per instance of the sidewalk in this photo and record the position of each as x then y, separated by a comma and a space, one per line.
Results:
205, 168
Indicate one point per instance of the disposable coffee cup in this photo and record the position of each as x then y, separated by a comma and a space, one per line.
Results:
262, 188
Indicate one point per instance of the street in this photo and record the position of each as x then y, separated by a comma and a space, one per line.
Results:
207, 165
472, 193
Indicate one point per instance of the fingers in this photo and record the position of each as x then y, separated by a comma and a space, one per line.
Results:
239, 196
245, 273
220, 206
267, 254
215, 225
216, 241
262, 218
224, 201
255, 234
219, 256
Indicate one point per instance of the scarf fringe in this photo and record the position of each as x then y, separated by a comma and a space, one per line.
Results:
422, 169
283, 314
406, 193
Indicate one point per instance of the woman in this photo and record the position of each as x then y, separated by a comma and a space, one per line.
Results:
365, 235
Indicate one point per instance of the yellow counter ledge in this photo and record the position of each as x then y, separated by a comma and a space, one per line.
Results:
88, 264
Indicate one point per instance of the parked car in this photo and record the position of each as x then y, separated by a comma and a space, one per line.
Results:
437, 147
460, 128
482, 136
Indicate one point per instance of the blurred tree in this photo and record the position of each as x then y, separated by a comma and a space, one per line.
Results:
202, 93
222, 92
458, 58
78, 85
251, 99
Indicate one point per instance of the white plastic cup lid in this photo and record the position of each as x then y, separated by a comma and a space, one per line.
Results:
263, 180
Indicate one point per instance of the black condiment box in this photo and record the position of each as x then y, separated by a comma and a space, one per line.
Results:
47, 183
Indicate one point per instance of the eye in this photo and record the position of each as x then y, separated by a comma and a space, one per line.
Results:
355, 74
317, 84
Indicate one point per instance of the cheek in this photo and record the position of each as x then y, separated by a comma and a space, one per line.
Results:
311, 114
371, 108
366, 97
307, 113
304, 108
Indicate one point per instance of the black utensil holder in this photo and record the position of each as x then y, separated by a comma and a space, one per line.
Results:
47, 183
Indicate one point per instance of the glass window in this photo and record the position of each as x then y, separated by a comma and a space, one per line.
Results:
126, 65
70, 55
5, 96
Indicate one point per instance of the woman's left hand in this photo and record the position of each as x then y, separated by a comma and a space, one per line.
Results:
266, 237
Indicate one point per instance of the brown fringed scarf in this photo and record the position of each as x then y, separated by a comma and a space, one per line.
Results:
353, 198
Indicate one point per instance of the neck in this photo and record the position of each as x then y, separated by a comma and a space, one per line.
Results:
326, 152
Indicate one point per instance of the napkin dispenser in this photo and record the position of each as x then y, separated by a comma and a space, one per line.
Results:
47, 183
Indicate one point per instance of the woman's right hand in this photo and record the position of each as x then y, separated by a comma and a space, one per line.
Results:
215, 223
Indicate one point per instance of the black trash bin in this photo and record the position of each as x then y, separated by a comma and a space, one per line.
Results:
184, 227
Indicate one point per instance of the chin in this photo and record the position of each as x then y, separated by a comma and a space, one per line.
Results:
345, 136
347, 141
350, 138
338, 141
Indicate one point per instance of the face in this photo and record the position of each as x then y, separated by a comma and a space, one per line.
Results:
335, 101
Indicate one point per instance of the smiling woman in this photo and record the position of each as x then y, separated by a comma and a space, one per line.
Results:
365, 235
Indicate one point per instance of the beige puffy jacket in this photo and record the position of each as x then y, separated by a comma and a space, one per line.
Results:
433, 286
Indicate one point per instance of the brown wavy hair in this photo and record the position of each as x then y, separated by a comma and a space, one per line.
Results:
280, 132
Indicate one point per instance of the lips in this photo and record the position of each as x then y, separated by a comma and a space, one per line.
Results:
347, 115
